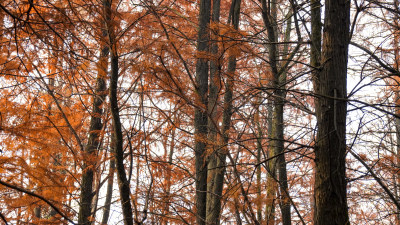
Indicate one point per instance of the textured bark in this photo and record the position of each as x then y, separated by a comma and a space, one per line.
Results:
330, 148
214, 89
315, 53
316, 38
200, 117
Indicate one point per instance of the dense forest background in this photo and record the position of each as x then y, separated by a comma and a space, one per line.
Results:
200, 112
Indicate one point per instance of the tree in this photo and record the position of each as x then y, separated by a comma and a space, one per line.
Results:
331, 92
201, 117
96, 126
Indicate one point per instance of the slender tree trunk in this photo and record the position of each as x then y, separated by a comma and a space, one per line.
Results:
123, 182
397, 176
315, 54
200, 117
330, 148
281, 161
93, 142
276, 134
259, 151
221, 153
96, 125
214, 89
117, 136
168, 178
110, 184
397, 112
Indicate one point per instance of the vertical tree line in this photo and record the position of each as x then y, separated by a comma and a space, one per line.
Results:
207, 112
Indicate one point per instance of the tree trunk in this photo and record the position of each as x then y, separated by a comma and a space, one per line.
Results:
397, 176
123, 182
259, 135
330, 88
110, 184
221, 153
96, 126
281, 161
214, 89
315, 54
397, 120
276, 133
200, 117
168, 177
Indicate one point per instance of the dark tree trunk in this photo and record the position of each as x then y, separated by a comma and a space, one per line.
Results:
330, 148
281, 160
221, 153
200, 117
123, 182
315, 53
214, 89
93, 142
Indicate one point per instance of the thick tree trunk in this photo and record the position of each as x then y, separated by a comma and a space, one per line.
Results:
330, 148
200, 117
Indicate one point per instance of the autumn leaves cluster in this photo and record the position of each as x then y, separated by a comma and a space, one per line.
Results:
206, 112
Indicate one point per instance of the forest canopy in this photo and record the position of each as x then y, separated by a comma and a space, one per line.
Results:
200, 112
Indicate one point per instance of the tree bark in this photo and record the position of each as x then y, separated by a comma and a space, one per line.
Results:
200, 117
214, 89
331, 102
